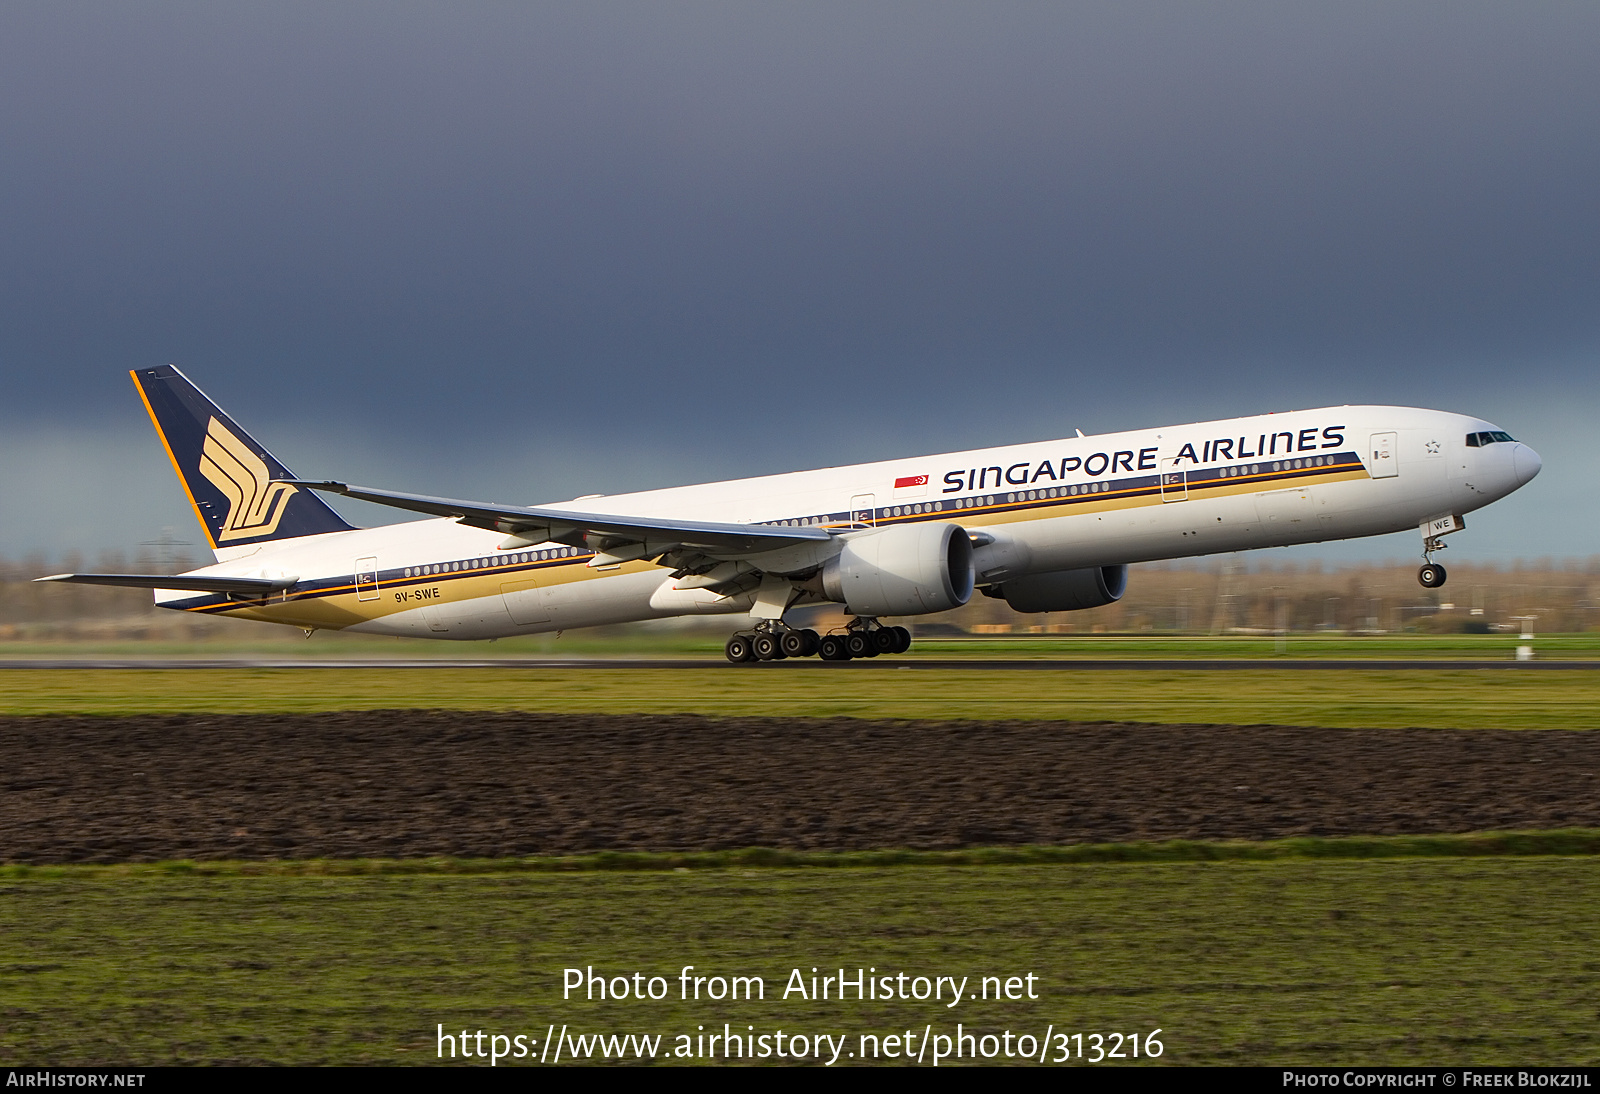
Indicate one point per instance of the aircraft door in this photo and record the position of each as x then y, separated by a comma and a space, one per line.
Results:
862, 509
1287, 516
525, 602
1383, 460
367, 578
1174, 481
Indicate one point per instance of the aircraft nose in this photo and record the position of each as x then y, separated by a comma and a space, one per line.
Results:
1526, 463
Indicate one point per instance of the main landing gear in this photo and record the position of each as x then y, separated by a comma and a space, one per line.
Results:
771, 644
774, 642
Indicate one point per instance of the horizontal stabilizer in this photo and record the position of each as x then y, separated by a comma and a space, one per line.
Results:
537, 525
249, 586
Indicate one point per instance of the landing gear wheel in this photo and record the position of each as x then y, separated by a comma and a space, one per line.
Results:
885, 640
859, 643
902, 640
799, 643
833, 648
738, 650
765, 646
1431, 575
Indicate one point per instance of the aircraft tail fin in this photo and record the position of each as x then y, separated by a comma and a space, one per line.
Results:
230, 478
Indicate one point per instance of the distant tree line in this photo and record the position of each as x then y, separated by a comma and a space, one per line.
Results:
1220, 595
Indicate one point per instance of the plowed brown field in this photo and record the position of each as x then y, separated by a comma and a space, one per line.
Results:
412, 783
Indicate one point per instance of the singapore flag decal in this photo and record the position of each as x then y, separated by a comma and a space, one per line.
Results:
911, 486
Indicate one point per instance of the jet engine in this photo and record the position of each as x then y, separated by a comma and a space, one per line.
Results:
1063, 590
909, 569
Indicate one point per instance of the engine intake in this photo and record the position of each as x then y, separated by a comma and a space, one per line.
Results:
1064, 590
910, 569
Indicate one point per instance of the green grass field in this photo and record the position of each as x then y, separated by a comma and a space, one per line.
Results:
1423, 952
1410, 961
1567, 699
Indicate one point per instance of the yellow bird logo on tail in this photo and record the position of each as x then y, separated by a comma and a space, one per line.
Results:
255, 502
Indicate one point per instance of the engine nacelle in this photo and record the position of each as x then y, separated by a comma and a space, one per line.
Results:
910, 569
1064, 590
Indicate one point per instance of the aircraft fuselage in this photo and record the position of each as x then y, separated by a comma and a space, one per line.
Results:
1060, 505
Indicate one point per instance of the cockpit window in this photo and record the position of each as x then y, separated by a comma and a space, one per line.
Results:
1478, 440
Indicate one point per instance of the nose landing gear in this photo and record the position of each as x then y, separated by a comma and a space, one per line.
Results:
1432, 575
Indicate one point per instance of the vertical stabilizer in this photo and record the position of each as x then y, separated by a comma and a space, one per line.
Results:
229, 476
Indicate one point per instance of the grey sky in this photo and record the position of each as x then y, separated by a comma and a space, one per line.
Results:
531, 251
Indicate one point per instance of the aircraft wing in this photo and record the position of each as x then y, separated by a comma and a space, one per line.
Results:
610, 535
247, 586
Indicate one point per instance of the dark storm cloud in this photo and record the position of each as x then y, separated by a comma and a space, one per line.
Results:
792, 234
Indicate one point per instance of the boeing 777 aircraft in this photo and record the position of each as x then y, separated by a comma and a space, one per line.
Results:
1047, 526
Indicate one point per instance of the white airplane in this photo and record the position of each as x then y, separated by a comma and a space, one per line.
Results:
1047, 526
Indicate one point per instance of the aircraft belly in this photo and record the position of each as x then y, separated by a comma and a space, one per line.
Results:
1141, 533
1371, 507
1244, 520
461, 620
599, 601
328, 614
411, 623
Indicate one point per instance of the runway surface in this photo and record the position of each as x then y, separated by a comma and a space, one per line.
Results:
800, 665
401, 784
